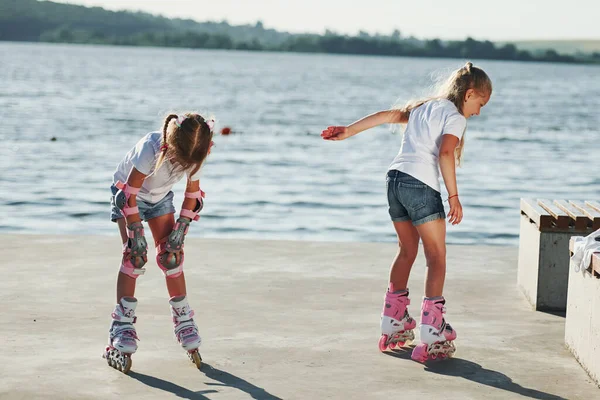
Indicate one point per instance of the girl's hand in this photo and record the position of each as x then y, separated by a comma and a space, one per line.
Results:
456, 213
336, 133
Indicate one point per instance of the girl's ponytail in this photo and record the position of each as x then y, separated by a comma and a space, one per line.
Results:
164, 146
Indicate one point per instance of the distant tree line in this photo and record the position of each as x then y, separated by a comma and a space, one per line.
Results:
31, 20
331, 43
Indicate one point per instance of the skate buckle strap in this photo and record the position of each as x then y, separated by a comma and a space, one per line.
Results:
184, 318
185, 325
125, 330
123, 318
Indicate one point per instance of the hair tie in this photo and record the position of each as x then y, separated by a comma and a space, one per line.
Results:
180, 120
164, 147
210, 123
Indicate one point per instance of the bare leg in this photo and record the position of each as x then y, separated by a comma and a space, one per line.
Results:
408, 242
433, 234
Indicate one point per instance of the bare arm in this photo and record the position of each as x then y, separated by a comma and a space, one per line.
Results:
376, 119
448, 163
448, 168
368, 122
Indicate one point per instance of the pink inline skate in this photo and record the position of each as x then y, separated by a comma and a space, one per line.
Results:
396, 324
436, 334
122, 336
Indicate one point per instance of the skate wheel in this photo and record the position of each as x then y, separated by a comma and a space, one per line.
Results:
420, 353
125, 368
383, 342
196, 359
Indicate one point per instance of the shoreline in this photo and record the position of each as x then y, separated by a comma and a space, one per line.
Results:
217, 238
277, 52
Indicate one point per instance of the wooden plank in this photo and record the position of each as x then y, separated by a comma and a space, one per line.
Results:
579, 218
536, 213
591, 213
594, 204
596, 264
572, 243
561, 219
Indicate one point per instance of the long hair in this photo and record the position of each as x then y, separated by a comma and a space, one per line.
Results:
454, 89
186, 142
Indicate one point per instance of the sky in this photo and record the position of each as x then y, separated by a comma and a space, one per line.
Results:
495, 20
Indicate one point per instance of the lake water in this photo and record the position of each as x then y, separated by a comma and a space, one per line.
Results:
275, 177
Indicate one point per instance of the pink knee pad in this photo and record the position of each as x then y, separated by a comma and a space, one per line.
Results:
170, 269
127, 266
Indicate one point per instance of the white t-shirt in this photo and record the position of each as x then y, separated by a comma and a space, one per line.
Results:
419, 153
143, 157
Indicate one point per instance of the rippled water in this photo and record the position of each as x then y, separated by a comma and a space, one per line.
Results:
275, 178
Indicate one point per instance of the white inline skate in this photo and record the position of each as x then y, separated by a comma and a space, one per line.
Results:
122, 335
185, 328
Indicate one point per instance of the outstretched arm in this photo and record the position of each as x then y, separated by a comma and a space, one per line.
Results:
368, 122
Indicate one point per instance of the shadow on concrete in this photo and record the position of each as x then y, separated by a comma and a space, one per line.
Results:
177, 390
474, 372
225, 379
403, 352
230, 380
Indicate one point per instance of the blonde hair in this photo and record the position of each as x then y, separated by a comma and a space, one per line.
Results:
186, 142
455, 89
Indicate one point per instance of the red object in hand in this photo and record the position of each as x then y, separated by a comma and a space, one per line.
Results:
226, 131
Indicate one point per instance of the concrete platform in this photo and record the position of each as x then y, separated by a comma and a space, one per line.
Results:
279, 320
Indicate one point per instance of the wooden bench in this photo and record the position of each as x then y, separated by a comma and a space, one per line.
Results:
582, 324
594, 267
545, 229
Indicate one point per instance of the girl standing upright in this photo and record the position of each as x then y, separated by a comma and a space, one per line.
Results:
433, 140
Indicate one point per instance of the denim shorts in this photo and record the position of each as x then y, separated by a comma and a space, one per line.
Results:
409, 199
147, 210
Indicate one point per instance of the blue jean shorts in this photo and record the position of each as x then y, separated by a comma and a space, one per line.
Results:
147, 210
409, 199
